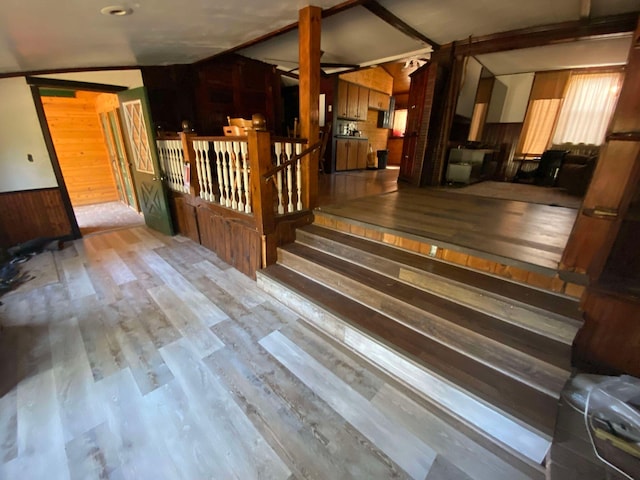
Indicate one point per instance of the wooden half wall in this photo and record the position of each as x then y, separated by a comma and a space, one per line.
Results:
31, 214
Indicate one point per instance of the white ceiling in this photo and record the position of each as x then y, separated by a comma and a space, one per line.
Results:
45, 35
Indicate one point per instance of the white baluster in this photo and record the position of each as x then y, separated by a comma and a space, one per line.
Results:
206, 168
218, 154
239, 189
299, 177
225, 173
245, 174
289, 149
232, 175
198, 153
182, 167
278, 150
173, 162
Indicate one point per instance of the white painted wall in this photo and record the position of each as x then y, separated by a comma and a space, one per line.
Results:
517, 98
468, 88
20, 133
123, 78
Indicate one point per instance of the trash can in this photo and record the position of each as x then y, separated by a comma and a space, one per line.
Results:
382, 158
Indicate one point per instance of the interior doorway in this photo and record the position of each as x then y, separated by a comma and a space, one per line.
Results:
87, 137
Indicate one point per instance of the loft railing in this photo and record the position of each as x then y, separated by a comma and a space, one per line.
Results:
174, 167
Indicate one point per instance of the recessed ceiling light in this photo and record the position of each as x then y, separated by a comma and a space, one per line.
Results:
116, 11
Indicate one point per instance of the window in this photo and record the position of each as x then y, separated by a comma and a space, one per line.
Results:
588, 105
399, 122
578, 115
538, 125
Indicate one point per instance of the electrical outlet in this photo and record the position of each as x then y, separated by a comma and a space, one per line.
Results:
329, 108
433, 251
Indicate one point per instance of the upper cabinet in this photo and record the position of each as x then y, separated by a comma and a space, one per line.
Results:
378, 100
353, 101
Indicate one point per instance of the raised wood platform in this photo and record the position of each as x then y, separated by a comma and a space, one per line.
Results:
474, 337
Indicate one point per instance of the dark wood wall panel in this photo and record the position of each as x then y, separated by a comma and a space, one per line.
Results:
32, 214
505, 136
236, 243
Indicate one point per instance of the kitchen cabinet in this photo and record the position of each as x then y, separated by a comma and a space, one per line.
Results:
378, 100
353, 101
351, 153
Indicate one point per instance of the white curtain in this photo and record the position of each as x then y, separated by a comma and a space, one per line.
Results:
587, 108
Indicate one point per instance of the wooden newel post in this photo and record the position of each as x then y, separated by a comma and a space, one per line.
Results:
190, 159
309, 29
261, 190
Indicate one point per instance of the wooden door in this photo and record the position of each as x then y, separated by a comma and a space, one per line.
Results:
343, 93
147, 173
113, 158
342, 153
408, 171
363, 103
123, 161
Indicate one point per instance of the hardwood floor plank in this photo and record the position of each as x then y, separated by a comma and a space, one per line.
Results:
78, 281
314, 440
102, 348
189, 325
139, 445
116, 267
248, 454
408, 451
193, 298
469, 457
188, 440
94, 454
8, 425
41, 443
78, 407
142, 356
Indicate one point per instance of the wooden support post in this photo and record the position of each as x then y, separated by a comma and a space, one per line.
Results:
262, 191
309, 28
190, 158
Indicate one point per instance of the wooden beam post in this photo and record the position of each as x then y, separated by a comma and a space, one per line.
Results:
261, 191
309, 29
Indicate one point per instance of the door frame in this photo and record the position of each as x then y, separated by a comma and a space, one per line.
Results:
35, 83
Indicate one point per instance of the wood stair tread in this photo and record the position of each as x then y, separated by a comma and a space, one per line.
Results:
507, 394
526, 354
539, 299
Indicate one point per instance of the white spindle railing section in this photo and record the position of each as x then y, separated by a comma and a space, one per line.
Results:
223, 172
288, 181
172, 163
203, 161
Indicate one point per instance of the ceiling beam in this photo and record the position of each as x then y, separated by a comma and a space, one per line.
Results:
341, 7
548, 34
397, 23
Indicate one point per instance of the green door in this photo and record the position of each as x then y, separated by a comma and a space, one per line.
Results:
147, 175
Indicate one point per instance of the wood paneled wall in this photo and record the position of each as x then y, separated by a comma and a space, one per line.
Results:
31, 214
506, 137
369, 128
376, 78
79, 144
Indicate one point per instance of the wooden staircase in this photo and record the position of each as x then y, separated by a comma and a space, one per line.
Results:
489, 352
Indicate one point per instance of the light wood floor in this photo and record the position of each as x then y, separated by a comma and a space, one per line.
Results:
530, 233
137, 356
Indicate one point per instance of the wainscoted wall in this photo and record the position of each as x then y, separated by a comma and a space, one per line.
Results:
30, 214
82, 154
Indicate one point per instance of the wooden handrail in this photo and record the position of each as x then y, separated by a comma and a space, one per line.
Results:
292, 160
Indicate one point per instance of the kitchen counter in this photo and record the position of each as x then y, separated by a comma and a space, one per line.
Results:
351, 137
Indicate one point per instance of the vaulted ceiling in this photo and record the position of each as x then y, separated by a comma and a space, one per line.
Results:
41, 35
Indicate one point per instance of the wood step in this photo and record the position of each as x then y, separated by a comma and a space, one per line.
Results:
464, 329
520, 384
416, 268
488, 401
